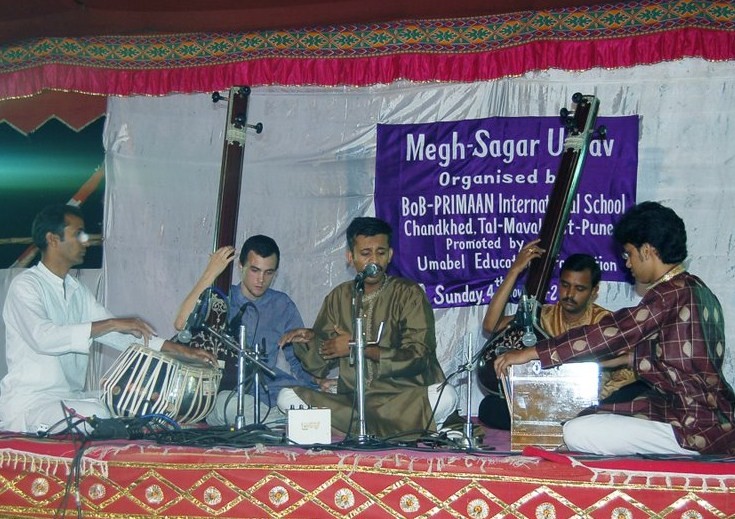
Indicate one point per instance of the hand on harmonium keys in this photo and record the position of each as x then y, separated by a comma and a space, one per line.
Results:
513, 357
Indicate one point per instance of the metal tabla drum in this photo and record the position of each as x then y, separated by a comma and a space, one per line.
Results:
195, 389
144, 382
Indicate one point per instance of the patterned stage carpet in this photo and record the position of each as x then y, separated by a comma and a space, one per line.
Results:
127, 479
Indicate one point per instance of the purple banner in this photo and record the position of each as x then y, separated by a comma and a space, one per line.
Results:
463, 197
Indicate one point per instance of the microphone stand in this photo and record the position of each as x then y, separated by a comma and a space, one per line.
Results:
357, 357
528, 307
256, 383
240, 416
468, 441
524, 317
470, 369
243, 356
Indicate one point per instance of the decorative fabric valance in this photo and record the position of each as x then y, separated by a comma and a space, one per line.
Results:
464, 49
75, 110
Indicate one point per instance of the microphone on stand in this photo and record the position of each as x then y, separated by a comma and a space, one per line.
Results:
529, 336
370, 271
234, 324
194, 321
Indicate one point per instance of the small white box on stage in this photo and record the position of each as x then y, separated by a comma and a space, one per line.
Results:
308, 426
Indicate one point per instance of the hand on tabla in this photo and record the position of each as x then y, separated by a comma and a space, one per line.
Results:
134, 326
187, 353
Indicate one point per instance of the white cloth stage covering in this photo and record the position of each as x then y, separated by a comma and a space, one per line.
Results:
312, 170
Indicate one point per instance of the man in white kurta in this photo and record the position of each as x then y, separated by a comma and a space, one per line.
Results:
51, 320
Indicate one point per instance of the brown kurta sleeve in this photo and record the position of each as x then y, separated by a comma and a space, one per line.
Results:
410, 348
308, 353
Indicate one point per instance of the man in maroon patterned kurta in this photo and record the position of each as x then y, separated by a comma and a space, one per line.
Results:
677, 338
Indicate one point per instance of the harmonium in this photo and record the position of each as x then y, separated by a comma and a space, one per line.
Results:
541, 400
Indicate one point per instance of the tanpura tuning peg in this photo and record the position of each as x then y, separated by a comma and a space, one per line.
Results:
567, 118
239, 122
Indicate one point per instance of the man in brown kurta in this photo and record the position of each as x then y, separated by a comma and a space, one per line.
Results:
677, 337
403, 390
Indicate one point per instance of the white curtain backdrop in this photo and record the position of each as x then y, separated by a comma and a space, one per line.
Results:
312, 170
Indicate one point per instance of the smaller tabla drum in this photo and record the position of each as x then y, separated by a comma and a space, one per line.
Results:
194, 391
144, 382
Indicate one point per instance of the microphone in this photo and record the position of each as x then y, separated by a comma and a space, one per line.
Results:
529, 337
234, 324
194, 320
370, 271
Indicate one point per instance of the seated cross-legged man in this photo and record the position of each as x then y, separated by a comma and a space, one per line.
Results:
266, 314
676, 340
404, 394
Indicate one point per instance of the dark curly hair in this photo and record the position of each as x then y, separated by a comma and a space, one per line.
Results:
657, 225
580, 263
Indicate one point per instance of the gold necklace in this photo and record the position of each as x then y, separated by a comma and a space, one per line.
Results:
675, 271
368, 298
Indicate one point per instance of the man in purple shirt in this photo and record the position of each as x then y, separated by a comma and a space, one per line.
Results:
676, 336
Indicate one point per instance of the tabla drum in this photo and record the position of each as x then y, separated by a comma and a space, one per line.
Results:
144, 382
195, 391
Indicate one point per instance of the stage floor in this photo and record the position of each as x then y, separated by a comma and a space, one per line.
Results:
128, 479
